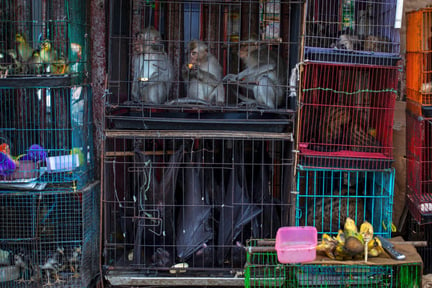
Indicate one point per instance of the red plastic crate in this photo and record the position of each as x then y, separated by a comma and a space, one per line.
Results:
346, 115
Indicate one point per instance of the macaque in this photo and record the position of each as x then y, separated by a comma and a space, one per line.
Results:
152, 68
203, 74
264, 75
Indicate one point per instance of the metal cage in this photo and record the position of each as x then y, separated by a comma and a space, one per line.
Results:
346, 116
46, 136
355, 32
190, 199
418, 61
49, 236
264, 270
224, 29
327, 197
43, 38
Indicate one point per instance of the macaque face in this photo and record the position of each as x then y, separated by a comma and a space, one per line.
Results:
144, 42
196, 55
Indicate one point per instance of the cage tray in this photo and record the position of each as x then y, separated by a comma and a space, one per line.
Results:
25, 183
36, 81
201, 120
350, 57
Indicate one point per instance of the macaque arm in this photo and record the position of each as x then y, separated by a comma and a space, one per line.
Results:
251, 74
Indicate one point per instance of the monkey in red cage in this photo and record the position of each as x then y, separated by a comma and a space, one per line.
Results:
203, 76
264, 74
152, 69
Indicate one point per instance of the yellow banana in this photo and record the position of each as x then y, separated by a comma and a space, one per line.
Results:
340, 237
350, 225
366, 230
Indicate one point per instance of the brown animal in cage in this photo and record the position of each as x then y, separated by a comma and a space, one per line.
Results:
329, 212
338, 126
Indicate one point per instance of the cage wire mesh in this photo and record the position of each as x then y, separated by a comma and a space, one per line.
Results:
171, 199
46, 136
264, 270
356, 32
49, 237
166, 67
418, 61
327, 197
346, 116
419, 167
40, 38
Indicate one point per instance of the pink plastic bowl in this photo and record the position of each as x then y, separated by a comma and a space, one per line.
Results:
296, 244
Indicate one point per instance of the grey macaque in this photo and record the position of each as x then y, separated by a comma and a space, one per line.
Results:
203, 75
152, 68
264, 75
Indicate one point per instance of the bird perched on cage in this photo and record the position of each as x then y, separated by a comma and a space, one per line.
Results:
75, 260
9, 63
23, 262
54, 64
53, 265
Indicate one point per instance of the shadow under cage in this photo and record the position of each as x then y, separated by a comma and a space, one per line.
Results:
191, 200
203, 56
346, 116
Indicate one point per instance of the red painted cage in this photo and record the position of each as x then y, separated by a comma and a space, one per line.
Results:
346, 115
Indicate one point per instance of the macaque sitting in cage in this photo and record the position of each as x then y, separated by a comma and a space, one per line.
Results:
203, 75
152, 68
264, 75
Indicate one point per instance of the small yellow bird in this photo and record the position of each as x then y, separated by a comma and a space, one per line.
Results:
25, 51
56, 65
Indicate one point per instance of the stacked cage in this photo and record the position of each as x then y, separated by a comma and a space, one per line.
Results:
348, 89
347, 98
49, 208
199, 123
419, 114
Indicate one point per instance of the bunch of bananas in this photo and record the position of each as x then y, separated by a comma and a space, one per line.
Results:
351, 243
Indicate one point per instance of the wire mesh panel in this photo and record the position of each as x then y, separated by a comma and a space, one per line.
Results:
327, 197
346, 116
357, 32
203, 56
191, 200
41, 38
46, 136
264, 270
49, 238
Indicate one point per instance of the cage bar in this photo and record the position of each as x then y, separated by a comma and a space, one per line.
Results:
346, 116
36, 226
355, 32
46, 136
327, 197
192, 199
224, 27
43, 38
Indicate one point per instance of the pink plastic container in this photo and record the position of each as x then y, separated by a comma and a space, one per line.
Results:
296, 244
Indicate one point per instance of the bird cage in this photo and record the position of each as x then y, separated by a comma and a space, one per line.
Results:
164, 74
346, 115
418, 60
264, 270
46, 136
180, 205
355, 32
327, 197
50, 237
43, 38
